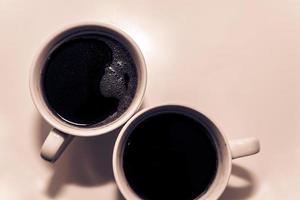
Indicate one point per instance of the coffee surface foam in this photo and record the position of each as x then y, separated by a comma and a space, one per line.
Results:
89, 80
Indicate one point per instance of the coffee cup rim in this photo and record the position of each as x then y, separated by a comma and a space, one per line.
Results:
219, 183
39, 59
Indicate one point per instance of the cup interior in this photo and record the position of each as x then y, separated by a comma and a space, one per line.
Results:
224, 157
65, 35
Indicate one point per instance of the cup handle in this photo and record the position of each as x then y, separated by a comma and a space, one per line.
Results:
54, 145
244, 147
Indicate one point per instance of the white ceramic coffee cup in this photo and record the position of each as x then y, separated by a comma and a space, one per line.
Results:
226, 149
62, 132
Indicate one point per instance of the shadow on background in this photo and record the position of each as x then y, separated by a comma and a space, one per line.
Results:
119, 196
240, 192
87, 161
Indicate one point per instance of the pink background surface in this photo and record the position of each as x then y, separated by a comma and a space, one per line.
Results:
236, 61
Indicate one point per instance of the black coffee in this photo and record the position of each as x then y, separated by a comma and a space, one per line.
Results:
89, 79
170, 156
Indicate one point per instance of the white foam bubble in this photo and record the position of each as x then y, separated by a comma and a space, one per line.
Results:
120, 78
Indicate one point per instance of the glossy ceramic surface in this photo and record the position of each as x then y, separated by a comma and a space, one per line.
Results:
227, 150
